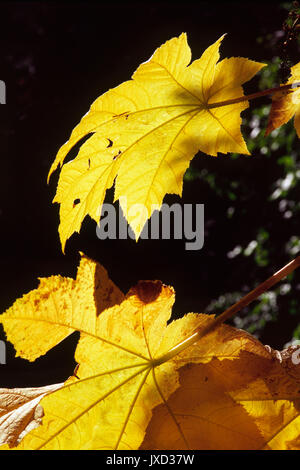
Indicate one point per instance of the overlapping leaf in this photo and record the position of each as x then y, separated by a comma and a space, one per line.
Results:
224, 391
250, 403
286, 104
20, 412
146, 131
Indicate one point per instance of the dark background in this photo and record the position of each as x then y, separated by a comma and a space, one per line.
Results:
56, 59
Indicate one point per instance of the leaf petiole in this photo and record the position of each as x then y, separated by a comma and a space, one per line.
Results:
289, 88
229, 312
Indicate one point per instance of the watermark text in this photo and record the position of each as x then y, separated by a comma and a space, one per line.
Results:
176, 221
2, 352
2, 92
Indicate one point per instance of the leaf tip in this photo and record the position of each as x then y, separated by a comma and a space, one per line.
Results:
63, 245
222, 37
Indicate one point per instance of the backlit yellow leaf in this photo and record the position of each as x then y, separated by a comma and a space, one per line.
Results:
142, 383
147, 130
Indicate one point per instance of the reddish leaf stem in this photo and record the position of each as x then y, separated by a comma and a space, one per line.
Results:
253, 96
229, 312
255, 293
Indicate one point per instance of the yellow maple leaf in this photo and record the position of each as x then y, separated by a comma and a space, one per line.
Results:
286, 104
146, 131
145, 383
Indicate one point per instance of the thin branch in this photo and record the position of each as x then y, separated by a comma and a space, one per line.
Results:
231, 311
255, 293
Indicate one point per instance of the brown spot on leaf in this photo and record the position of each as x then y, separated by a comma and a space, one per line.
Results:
110, 143
75, 202
148, 291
